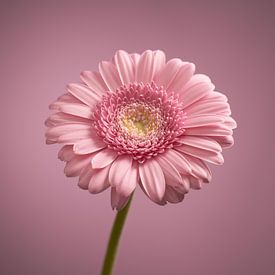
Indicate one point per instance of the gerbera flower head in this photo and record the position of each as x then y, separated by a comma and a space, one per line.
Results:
141, 121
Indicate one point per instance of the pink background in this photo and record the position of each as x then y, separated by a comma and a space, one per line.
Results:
50, 226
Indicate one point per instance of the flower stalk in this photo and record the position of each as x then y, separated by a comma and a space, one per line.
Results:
112, 248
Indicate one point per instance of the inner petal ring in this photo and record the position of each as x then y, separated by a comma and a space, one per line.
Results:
141, 120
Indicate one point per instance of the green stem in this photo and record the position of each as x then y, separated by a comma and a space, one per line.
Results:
110, 255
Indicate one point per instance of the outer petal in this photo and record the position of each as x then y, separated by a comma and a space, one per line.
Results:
119, 168
225, 141
178, 161
183, 75
99, 180
195, 183
66, 98
172, 196
62, 118
86, 146
168, 73
217, 130
125, 67
159, 61
83, 93
75, 136
194, 90
202, 120
103, 158
57, 133
230, 122
213, 157
207, 107
76, 164
135, 58
200, 78
94, 81
76, 109
199, 169
110, 75
152, 179
217, 96
60, 130
129, 181
145, 69
85, 177
118, 201
201, 142
66, 153
182, 188
171, 174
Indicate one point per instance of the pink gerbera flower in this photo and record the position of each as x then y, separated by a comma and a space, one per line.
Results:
141, 121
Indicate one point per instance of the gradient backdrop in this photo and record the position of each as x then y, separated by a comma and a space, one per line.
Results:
49, 226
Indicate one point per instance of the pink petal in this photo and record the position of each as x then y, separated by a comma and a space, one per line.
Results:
196, 78
118, 201
159, 61
129, 181
217, 96
103, 158
73, 137
172, 196
177, 160
194, 92
66, 153
99, 180
225, 141
125, 67
213, 157
195, 183
66, 98
183, 75
76, 109
218, 130
86, 146
61, 133
145, 69
60, 130
94, 81
215, 102
186, 186
135, 58
62, 118
230, 122
171, 174
168, 73
119, 168
199, 168
85, 177
202, 120
201, 142
76, 164
205, 107
152, 179
83, 93
110, 75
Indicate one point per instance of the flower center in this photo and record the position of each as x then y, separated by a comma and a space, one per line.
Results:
140, 120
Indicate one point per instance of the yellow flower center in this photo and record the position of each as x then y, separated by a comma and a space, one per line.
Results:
140, 120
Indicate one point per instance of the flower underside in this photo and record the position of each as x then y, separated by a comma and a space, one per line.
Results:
141, 120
